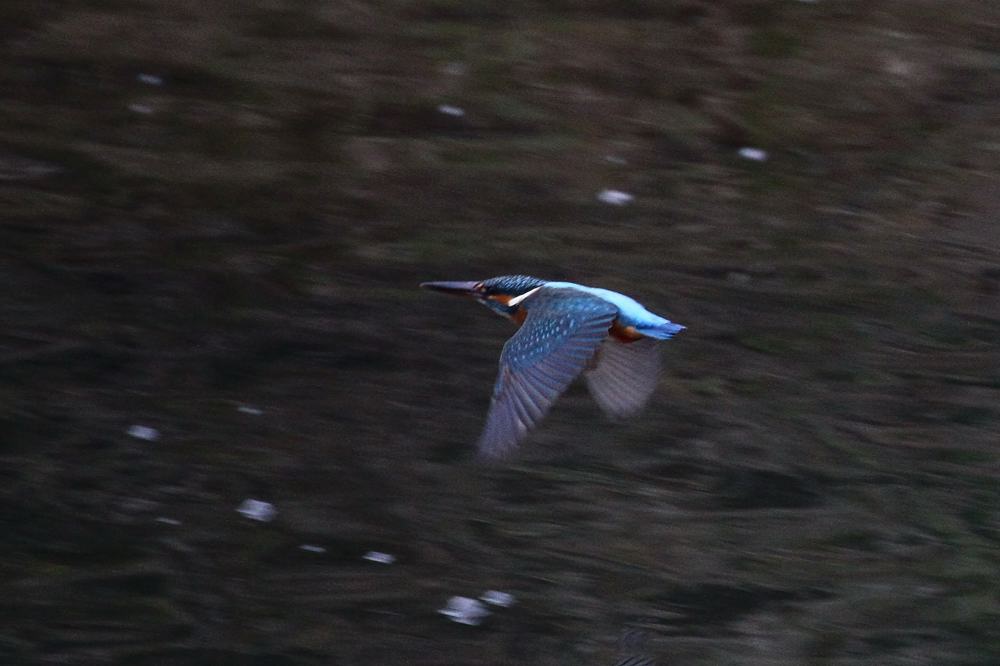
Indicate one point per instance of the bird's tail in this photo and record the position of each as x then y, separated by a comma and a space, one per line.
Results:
663, 331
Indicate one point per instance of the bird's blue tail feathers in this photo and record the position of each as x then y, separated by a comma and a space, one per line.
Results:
661, 331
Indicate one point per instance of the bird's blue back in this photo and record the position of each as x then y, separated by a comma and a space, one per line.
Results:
630, 311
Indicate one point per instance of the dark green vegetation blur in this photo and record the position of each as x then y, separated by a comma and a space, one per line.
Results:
208, 205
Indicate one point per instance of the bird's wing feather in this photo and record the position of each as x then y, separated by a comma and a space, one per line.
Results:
560, 334
625, 376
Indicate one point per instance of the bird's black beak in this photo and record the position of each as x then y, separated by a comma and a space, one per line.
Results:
470, 288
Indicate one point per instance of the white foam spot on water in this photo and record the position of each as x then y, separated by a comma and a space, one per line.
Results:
168, 521
143, 432
257, 510
310, 548
449, 110
753, 154
464, 610
615, 197
381, 558
498, 598
150, 79
250, 409
144, 109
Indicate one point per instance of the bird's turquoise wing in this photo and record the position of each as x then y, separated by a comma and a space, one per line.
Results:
560, 334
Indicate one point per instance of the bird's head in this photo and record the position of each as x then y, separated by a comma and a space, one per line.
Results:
495, 293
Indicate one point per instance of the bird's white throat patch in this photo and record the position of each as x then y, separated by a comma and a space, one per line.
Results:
517, 299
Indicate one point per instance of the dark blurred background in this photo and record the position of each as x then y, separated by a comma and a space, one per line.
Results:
214, 217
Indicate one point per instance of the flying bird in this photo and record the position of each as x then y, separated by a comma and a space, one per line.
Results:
565, 329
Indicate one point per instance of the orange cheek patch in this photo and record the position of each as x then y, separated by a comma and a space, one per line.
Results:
503, 299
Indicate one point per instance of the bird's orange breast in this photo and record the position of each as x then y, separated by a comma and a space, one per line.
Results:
624, 333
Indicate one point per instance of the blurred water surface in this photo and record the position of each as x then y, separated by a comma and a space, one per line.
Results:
214, 218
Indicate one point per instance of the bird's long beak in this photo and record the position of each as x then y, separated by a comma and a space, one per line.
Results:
456, 288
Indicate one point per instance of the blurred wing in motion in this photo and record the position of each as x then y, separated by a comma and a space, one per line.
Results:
632, 649
562, 330
625, 376
636, 660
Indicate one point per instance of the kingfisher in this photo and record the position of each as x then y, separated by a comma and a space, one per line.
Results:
565, 329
